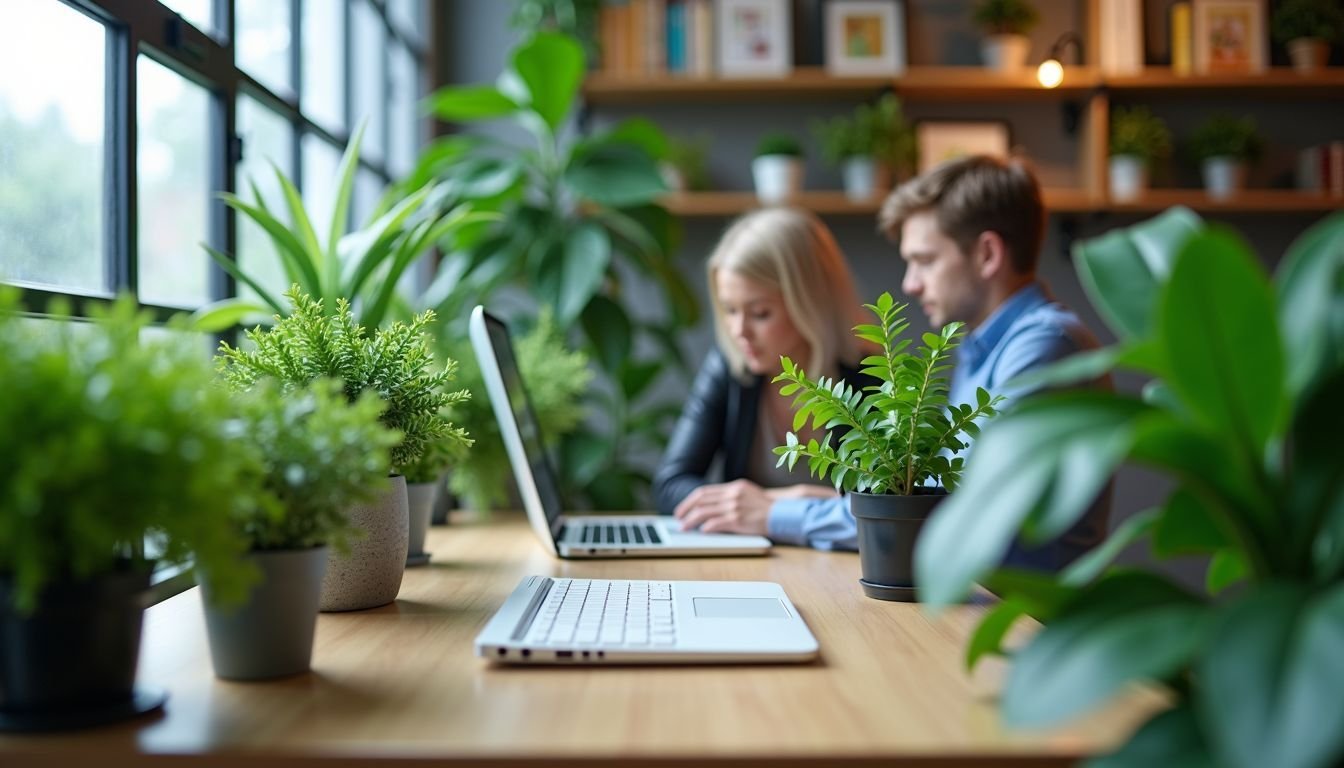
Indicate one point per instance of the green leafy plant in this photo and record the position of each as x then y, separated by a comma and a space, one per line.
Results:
778, 144
111, 443
395, 363
1006, 17
901, 433
578, 219
1242, 413
874, 130
1321, 19
1137, 131
1226, 136
690, 158
576, 18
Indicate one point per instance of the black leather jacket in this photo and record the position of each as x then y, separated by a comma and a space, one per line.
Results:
719, 419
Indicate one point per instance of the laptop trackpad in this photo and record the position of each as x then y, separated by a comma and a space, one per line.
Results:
739, 608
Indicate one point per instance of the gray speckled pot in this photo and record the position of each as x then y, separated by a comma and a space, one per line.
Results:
370, 575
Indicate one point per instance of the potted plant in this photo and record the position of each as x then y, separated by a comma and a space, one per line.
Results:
685, 168
396, 364
423, 478
1251, 442
777, 169
321, 453
1138, 137
1006, 24
896, 458
1308, 28
119, 453
870, 146
1224, 145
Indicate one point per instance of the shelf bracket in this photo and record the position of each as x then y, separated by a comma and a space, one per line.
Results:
1071, 113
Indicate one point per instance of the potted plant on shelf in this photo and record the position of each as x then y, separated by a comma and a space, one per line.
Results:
896, 458
1138, 137
685, 169
1308, 28
777, 169
871, 146
1006, 24
1224, 145
396, 364
321, 453
118, 453
1243, 414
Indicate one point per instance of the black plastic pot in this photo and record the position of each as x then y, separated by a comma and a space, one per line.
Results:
888, 527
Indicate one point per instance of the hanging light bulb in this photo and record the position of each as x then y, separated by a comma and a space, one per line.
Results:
1051, 73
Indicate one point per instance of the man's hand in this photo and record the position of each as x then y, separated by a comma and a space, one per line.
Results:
737, 507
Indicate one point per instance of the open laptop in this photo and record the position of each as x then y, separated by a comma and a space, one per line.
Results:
646, 535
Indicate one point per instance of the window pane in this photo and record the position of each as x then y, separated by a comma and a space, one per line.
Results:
370, 42
368, 191
403, 108
324, 63
173, 175
267, 139
264, 31
320, 163
198, 12
408, 16
51, 147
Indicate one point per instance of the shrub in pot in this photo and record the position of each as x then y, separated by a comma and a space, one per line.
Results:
1138, 137
118, 453
1005, 24
896, 457
1243, 415
871, 146
395, 363
1224, 145
1308, 28
777, 169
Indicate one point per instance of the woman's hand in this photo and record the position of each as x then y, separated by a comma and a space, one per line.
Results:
737, 507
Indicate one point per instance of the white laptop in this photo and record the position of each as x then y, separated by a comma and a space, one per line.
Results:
645, 535
590, 621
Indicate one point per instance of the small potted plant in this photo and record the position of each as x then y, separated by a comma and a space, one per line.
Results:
897, 458
870, 146
1308, 28
118, 453
777, 169
1224, 145
423, 478
321, 453
1006, 24
396, 364
685, 169
1138, 137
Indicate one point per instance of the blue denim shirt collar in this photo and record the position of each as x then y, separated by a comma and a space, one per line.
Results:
979, 343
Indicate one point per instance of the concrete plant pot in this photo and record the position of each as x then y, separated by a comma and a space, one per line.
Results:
370, 575
888, 527
1005, 53
1128, 175
1224, 177
777, 178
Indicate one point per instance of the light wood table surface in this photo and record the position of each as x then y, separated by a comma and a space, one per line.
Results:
400, 684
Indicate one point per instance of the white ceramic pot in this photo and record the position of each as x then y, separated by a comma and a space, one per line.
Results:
1224, 177
1309, 54
1005, 53
865, 178
1128, 177
777, 177
370, 574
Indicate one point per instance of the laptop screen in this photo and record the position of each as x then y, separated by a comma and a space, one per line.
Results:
517, 423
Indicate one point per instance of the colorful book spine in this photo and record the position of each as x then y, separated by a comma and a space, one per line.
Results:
676, 37
1182, 57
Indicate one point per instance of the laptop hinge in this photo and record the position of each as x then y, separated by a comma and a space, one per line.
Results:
530, 612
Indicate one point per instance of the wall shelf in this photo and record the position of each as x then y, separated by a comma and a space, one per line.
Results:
1281, 82
1248, 201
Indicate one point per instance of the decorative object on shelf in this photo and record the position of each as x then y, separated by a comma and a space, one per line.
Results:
871, 146
897, 458
1120, 45
865, 37
777, 169
1138, 137
1051, 72
753, 38
1005, 23
1308, 28
1224, 146
1248, 676
938, 141
686, 167
1229, 36
1182, 38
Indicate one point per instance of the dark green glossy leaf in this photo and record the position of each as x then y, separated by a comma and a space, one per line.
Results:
585, 454
988, 637
1227, 567
580, 270
609, 331
1311, 303
1170, 738
613, 489
616, 175
464, 104
1043, 595
1090, 566
1088, 366
1317, 490
551, 66
482, 176
1187, 527
636, 376
223, 315
640, 132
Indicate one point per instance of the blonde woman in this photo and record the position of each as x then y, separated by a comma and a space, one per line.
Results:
779, 287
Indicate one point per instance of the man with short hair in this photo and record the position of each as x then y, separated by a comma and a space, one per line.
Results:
970, 232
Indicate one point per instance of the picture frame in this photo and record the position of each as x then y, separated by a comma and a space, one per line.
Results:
1230, 36
938, 141
753, 38
865, 37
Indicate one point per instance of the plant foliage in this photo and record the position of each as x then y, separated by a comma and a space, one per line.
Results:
778, 144
1006, 17
576, 18
900, 434
1137, 131
111, 442
690, 158
395, 363
1243, 415
1321, 19
1227, 136
874, 130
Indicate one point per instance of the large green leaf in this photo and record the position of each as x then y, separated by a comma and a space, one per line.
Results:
637, 375
1311, 303
1123, 269
345, 186
1083, 367
1188, 527
1224, 355
615, 175
550, 66
585, 454
640, 132
1271, 679
586, 256
297, 262
1318, 479
1092, 565
482, 176
1170, 738
1041, 465
461, 104
225, 314
608, 329
988, 637
1128, 626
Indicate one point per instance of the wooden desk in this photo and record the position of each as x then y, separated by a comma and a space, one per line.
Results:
400, 683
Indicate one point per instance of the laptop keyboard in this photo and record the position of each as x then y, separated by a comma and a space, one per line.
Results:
605, 614
619, 533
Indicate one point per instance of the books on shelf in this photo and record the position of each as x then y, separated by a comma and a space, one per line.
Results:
1320, 169
1120, 49
655, 37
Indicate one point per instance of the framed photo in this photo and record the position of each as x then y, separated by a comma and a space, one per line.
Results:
941, 140
754, 39
865, 37
1229, 36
